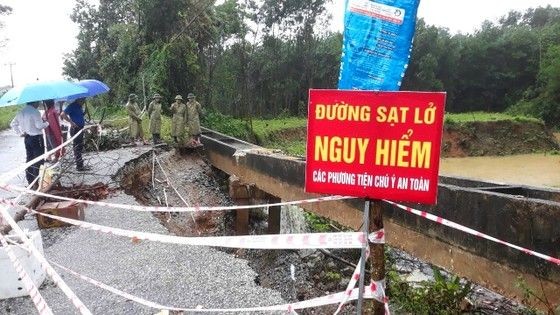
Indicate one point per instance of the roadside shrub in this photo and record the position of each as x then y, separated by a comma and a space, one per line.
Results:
441, 296
226, 124
547, 111
6, 115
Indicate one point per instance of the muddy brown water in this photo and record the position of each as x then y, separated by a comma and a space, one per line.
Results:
526, 169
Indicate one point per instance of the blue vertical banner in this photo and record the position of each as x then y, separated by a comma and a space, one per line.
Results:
377, 43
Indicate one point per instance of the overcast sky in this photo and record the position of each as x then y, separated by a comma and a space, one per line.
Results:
40, 32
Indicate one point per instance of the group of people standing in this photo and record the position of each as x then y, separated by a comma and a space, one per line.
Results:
30, 124
186, 117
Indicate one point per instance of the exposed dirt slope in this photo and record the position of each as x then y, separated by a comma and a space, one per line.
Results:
496, 138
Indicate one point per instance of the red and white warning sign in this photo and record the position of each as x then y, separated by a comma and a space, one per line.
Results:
379, 145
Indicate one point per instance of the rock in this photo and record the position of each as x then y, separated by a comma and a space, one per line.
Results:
466, 305
416, 276
305, 253
331, 265
312, 257
343, 283
347, 270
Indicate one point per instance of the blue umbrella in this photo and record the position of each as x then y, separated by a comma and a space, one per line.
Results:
41, 90
94, 87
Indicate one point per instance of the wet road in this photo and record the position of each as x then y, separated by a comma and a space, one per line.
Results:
184, 276
12, 154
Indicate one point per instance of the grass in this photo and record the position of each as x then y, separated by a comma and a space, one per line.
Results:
7, 114
485, 117
266, 126
263, 128
119, 122
294, 147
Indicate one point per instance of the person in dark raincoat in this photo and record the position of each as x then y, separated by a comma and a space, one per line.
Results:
134, 118
194, 111
154, 112
179, 110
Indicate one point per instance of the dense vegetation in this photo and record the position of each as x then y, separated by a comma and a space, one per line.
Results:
258, 58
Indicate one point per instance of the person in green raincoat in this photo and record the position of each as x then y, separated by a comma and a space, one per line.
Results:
134, 118
179, 110
154, 112
194, 111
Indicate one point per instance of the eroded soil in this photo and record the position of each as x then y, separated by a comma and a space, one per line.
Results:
315, 273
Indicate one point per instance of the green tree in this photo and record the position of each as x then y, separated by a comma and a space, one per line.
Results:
120, 68
433, 64
549, 87
249, 57
541, 16
129, 43
543, 100
82, 62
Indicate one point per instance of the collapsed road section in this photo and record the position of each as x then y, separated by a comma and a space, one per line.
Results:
195, 276
166, 273
519, 215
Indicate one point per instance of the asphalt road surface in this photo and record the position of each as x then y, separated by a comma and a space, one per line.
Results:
173, 275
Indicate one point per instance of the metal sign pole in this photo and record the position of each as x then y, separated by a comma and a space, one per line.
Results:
364, 258
377, 254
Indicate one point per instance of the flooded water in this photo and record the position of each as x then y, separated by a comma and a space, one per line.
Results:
526, 169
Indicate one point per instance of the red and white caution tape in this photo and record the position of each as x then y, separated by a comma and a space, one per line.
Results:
40, 304
4, 178
172, 209
290, 308
16, 200
465, 229
377, 237
44, 264
351, 285
280, 241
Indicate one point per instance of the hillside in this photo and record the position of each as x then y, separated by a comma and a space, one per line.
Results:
471, 134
